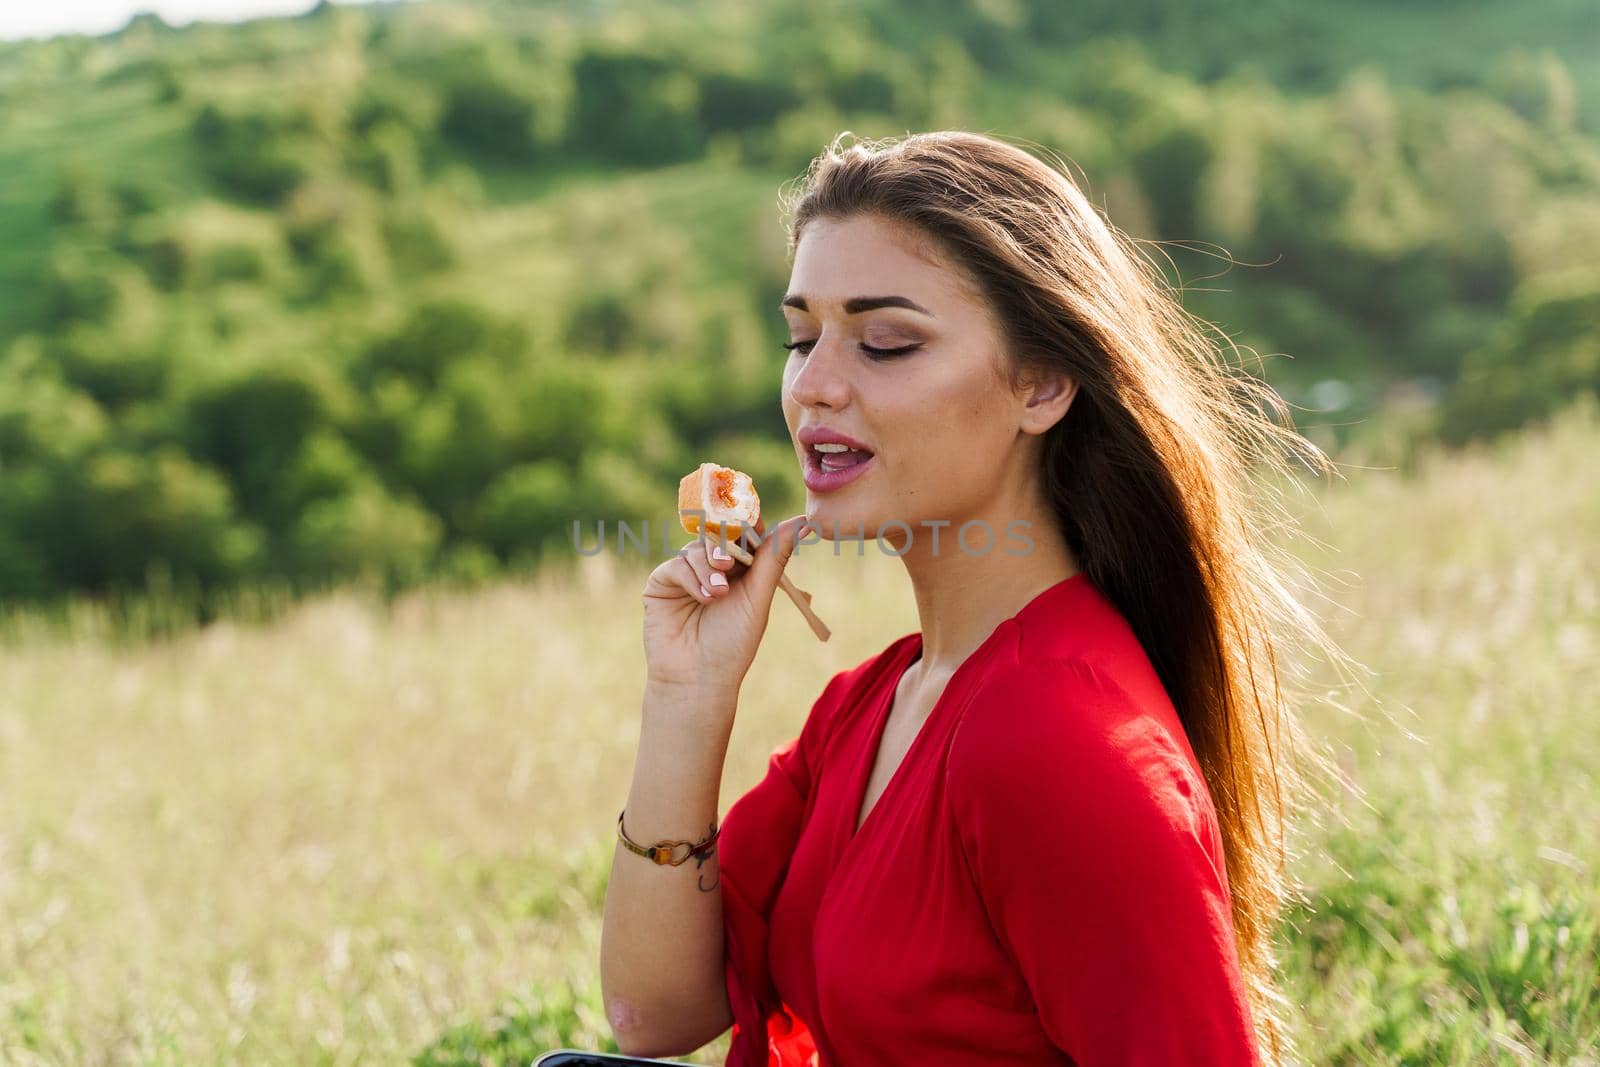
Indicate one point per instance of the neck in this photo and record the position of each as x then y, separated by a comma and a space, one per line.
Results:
962, 595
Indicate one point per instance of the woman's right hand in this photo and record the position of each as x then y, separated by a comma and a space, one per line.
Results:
702, 634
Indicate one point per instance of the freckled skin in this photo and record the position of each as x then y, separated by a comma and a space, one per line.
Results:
941, 420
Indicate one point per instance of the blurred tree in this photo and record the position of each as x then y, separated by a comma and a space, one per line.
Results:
435, 335
367, 534
78, 289
83, 196
602, 319
386, 156
41, 417
1536, 85
25, 571
1545, 354
252, 154
739, 101
463, 434
418, 245
323, 467
526, 506
107, 521
253, 423
485, 113
561, 410
135, 197
1169, 148
233, 261
114, 371
1305, 187
319, 231
168, 257
635, 107
387, 99
1387, 231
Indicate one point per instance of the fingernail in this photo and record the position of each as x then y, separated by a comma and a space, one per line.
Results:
719, 579
718, 553
704, 591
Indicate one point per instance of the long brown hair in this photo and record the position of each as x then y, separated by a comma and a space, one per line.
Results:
1150, 472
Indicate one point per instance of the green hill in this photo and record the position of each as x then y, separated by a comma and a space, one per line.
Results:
398, 290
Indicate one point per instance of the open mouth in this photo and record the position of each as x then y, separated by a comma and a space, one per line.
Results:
831, 459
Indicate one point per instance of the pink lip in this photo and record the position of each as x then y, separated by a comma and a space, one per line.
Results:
822, 435
822, 481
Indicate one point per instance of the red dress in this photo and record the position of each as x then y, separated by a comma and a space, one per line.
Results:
1040, 882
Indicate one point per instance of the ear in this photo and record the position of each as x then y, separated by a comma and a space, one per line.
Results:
1046, 401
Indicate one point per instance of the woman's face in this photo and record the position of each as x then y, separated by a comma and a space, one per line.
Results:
945, 432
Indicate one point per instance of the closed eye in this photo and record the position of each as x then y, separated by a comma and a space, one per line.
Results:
804, 348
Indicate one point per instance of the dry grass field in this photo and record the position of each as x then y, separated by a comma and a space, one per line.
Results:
373, 833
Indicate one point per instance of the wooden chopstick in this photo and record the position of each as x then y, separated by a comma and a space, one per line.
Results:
801, 598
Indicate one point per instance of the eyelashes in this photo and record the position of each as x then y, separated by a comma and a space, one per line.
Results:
804, 348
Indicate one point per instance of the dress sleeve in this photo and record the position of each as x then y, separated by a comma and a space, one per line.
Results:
1095, 848
759, 834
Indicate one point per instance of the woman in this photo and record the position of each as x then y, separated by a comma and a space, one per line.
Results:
1048, 827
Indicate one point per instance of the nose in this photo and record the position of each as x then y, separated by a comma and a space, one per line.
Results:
822, 379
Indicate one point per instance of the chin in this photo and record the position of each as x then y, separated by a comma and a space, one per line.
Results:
837, 519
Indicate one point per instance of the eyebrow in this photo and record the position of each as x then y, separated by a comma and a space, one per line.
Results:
858, 304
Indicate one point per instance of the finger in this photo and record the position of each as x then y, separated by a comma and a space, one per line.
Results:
751, 536
774, 553
696, 554
684, 574
718, 555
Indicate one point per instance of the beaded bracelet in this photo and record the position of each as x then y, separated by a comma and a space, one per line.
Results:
663, 851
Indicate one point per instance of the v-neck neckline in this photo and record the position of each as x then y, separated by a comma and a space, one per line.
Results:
863, 777
880, 724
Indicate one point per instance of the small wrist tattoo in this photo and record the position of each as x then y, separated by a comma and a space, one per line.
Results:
700, 861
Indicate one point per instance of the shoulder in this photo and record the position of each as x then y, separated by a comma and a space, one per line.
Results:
1083, 743
1074, 705
1071, 678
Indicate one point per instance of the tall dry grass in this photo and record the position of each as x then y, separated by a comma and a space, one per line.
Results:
362, 832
